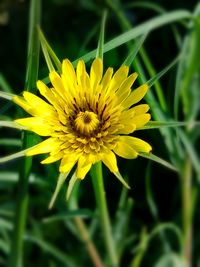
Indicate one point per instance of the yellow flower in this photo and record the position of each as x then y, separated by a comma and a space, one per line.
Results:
86, 117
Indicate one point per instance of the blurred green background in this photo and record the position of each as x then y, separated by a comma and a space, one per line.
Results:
72, 29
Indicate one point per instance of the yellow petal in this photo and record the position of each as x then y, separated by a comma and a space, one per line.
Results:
34, 105
37, 125
106, 79
58, 84
47, 93
36, 102
68, 71
22, 103
44, 147
117, 79
82, 76
52, 158
68, 161
124, 149
135, 96
141, 120
140, 109
83, 167
125, 88
96, 72
135, 143
109, 159
128, 128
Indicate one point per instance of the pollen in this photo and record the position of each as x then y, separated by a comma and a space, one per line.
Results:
86, 122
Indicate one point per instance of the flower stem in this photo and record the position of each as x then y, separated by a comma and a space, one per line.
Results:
88, 242
17, 245
97, 179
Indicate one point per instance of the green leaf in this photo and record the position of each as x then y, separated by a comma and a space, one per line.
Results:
141, 29
162, 72
100, 47
128, 61
71, 185
5, 85
48, 52
190, 150
61, 179
171, 259
52, 250
10, 142
84, 213
6, 95
11, 124
158, 160
158, 124
168, 227
16, 255
121, 179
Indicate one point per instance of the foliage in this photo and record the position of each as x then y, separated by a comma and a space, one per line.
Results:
156, 222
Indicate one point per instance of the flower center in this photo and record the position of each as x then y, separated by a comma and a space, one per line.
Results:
86, 122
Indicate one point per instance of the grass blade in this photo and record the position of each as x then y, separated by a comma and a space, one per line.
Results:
100, 48
158, 160
16, 255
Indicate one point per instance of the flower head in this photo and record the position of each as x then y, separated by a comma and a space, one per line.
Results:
86, 117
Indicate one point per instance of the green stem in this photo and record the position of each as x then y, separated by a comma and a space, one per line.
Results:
187, 212
16, 253
97, 179
88, 242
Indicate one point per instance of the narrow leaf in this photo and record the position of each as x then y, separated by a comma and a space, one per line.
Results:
158, 160
11, 124
84, 213
15, 155
7, 96
162, 72
121, 179
46, 46
71, 185
137, 31
128, 61
158, 124
61, 179
100, 48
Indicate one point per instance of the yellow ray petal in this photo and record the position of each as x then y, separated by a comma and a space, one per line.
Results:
109, 159
52, 158
22, 103
82, 76
128, 128
58, 84
135, 96
106, 79
96, 73
68, 71
117, 79
37, 125
125, 88
141, 120
135, 143
68, 161
44, 147
140, 109
124, 149
37, 103
47, 93
83, 167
